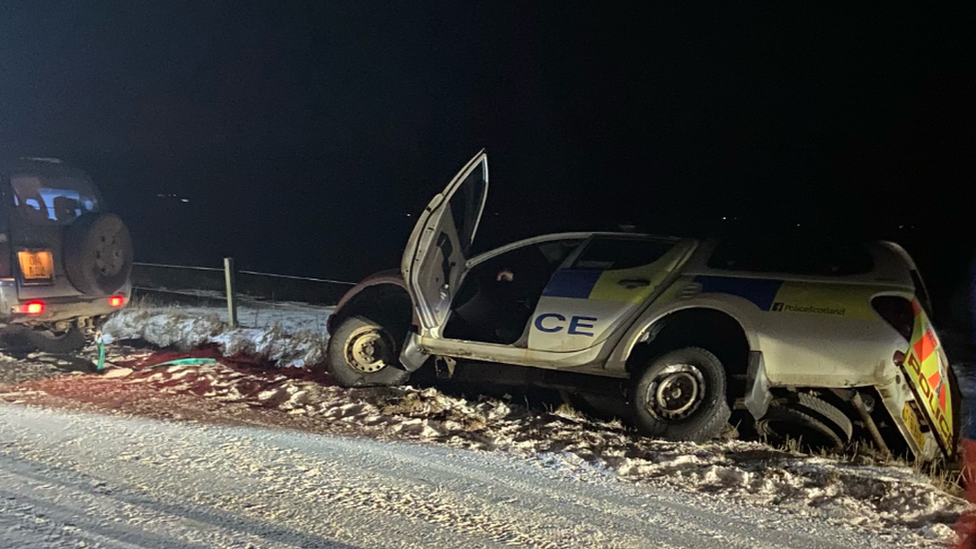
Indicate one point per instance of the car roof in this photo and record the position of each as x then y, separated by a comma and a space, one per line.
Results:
38, 165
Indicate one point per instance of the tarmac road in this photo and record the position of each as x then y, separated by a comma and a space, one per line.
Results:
70, 479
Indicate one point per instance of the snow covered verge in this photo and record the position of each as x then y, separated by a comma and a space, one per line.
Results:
893, 499
287, 342
872, 496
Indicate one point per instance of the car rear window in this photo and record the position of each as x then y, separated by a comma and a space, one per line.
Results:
792, 257
53, 199
620, 253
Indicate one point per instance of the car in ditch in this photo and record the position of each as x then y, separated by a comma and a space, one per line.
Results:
64, 260
828, 340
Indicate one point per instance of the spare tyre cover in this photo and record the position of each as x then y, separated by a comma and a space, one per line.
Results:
97, 253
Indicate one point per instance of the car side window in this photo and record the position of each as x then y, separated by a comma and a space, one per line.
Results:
615, 253
558, 250
819, 258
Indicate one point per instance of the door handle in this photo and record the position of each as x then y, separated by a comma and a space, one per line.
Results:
632, 283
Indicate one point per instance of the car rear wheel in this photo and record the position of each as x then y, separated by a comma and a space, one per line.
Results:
815, 423
49, 341
681, 396
363, 352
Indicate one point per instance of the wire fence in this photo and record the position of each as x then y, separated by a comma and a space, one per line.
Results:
189, 283
215, 269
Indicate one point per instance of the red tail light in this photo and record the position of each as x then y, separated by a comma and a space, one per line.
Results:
116, 301
34, 307
896, 311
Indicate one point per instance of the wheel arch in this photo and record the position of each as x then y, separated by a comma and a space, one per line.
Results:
712, 329
379, 298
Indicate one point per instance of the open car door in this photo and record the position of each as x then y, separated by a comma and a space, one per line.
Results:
435, 257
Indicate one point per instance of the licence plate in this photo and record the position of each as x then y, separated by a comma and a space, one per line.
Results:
911, 421
36, 266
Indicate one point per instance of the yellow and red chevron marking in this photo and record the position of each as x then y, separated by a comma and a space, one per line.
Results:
927, 374
925, 346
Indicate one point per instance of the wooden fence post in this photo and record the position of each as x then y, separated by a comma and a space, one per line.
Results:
230, 275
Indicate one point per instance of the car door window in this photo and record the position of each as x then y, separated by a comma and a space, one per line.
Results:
611, 254
610, 281
466, 206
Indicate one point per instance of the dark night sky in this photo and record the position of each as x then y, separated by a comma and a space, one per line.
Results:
303, 133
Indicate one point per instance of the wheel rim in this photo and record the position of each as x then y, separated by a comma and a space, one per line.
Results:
675, 393
108, 255
369, 350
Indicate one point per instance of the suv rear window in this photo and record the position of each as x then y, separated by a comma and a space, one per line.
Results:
53, 200
792, 257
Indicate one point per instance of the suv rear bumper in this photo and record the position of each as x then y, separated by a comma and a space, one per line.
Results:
55, 308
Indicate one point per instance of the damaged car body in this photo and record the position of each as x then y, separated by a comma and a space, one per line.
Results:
680, 334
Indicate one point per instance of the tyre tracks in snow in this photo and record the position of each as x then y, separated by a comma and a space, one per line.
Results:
120, 481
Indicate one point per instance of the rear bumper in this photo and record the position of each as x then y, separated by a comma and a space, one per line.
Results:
55, 308
898, 401
65, 309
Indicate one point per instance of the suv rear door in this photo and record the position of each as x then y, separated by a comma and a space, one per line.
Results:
42, 201
434, 260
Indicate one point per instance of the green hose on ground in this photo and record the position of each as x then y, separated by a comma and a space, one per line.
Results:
100, 366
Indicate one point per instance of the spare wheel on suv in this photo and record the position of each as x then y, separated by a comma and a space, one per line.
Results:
97, 253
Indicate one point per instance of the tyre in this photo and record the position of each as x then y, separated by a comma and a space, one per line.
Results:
68, 341
364, 353
681, 396
97, 254
597, 405
817, 424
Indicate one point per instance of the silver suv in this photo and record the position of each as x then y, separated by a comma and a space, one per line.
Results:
827, 341
64, 261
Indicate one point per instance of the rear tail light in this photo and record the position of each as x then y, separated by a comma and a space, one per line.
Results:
116, 301
896, 311
31, 308
898, 358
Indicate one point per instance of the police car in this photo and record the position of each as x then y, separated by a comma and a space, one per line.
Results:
829, 341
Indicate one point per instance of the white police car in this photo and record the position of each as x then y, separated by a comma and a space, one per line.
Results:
829, 340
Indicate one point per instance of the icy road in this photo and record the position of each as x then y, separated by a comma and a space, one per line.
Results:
70, 479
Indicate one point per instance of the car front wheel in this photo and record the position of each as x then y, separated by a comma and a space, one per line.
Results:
681, 396
364, 353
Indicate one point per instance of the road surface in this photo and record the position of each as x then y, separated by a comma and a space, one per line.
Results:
70, 479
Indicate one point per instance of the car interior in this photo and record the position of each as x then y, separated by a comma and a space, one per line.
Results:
498, 296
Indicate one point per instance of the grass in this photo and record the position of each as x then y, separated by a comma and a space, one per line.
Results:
941, 476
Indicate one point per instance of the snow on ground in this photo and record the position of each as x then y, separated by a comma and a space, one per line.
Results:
870, 496
20, 366
892, 498
70, 479
288, 334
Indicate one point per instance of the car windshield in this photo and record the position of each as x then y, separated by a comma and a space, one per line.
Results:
53, 199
